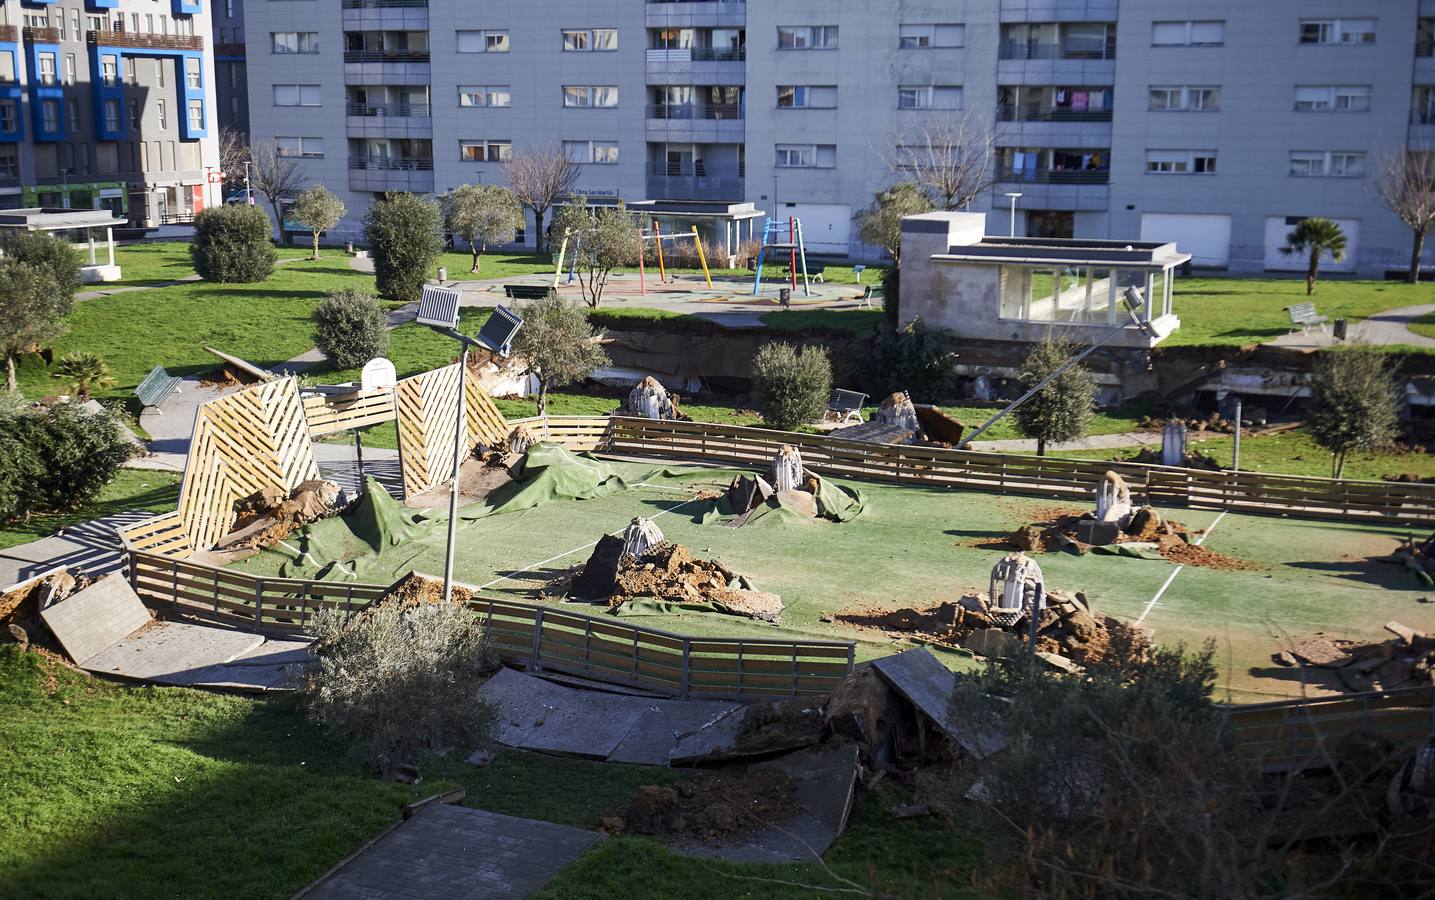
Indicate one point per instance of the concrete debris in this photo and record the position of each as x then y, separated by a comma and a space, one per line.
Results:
897, 411
1405, 660
1113, 512
598, 579
642, 536
1417, 556
1145, 534
666, 573
650, 400
785, 472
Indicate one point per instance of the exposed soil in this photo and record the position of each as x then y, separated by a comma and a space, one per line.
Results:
1055, 528
225, 377
710, 808
671, 573
1404, 660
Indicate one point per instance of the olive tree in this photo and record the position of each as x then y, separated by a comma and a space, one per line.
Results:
609, 241
318, 209
557, 344
39, 274
481, 214
790, 384
402, 231
1354, 402
1062, 410
880, 224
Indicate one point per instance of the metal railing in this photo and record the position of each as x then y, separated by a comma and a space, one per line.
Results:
386, 56
385, 4
695, 111
1044, 175
695, 170
719, 54
392, 110
1038, 50
1007, 112
116, 38
392, 163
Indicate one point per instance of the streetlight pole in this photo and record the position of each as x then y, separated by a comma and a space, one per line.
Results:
1013, 196
248, 194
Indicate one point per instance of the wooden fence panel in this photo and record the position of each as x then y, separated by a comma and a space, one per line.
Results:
427, 409
1299, 734
330, 415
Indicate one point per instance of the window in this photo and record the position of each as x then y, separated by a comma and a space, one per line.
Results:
605, 96
73, 106
1181, 162
484, 95
112, 115
37, 20
130, 70
605, 39
50, 115
930, 97
196, 115
305, 147
69, 68
9, 116
191, 72
922, 37
807, 96
484, 151
598, 152
605, 152
1332, 98
159, 110
576, 41
1188, 34
806, 156
1185, 99
134, 114
1337, 31
159, 72
296, 95
233, 74
807, 37
1333, 164
9, 162
577, 95
47, 68
482, 42
294, 41
7, 68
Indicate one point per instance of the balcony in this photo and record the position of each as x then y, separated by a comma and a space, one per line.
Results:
42, 35
386, 4
108, 38
696, 123
386, 56
696, 14
1043, 175
1024, 113
676, 181
391, 173
389, 120
697, 65
393, 110
1040, 50
9, 34
385, 15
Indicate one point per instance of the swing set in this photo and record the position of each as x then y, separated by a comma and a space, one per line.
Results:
656, 236
786, 239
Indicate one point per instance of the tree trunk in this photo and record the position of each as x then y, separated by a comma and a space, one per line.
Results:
279, 220
542, 396
1415, 253
538, 240
316, 246
1311, 270
1337, 463
1041, 446
477, 252
10, 370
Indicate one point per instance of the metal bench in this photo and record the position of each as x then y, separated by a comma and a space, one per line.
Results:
869, 293
526, 291
1303, 315
156, 387
846, 406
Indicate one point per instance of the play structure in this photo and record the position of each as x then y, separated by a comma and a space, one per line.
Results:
655, 235
779, 236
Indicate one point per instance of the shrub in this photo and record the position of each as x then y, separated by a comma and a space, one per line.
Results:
57, 459
55, 255
83, 372
402, 231
231, 245
399, 680
917, 359
352, 328
791, 386
558, 344
39, 274
1062, 410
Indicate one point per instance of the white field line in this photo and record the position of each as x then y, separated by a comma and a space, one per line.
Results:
1177, 571
511, 575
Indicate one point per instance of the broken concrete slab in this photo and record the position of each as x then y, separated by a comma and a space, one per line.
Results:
172, 652
928, 685
91, 620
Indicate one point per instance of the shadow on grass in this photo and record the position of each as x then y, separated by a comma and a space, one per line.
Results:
1379, 574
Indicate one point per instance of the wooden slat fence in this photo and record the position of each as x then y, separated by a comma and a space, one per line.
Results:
426, 406
330, 415
1296, 734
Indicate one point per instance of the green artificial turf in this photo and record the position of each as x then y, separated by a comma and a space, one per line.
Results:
131, 489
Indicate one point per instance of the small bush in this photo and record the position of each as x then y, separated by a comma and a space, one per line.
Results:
353, 328
400, 680
402, 231
917, 358
56, 459
232, 244
791, 386
1062, 410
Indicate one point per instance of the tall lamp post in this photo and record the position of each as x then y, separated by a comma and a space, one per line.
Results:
438, 309
1135, 304
1013, 196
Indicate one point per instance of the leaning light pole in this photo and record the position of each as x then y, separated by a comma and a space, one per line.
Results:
438, 309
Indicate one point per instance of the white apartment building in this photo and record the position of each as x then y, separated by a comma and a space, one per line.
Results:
1215, 125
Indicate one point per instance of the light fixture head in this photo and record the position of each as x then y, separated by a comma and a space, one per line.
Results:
438, 307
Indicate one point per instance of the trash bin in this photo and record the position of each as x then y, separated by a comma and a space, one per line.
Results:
349, 247
784, 296
443, 273
1338, 329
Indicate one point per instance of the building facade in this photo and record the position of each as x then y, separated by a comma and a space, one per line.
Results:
106, 104
1216, 125
231, 80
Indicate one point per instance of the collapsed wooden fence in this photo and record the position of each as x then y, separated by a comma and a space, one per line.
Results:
1287, 735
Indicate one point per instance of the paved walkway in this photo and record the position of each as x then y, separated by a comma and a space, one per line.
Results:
1386, 328
92, 546
1092, 442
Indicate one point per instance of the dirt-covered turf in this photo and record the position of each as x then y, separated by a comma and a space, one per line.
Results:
911, 546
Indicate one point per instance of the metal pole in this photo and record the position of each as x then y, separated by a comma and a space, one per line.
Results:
642, 269
459, 445
1236, 453
359, 452
1012, 230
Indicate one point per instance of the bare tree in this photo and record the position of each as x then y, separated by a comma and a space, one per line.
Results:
277, 177
1405, 180
233, 154
952, 158
540, 176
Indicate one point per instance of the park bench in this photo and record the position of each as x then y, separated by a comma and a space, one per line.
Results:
526, 291
846, 406
156, 387
1303, 315
869, 293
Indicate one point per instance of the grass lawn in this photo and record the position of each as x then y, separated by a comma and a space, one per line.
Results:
502, 264
1425, 325
114, 790
1289, 453
155, 262
1238, 311
155, 492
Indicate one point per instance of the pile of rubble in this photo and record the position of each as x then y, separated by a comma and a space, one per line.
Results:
642, 566
269, 516
1405, 660
20, 609
898, 420
709, 807
1418, 557
650, 400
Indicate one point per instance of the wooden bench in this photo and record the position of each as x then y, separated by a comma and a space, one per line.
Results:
526, 291
846, 406
869, 293
156, 387
1303, 315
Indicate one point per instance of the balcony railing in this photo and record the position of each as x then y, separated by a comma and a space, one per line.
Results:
386, 56
1422, 117
696, 170
1037, 50
1009, 113
1043, 175
108, 38
391, 110
42, 35
697, 1
392, 163
9, 33
230, 50
694, 111
386, 4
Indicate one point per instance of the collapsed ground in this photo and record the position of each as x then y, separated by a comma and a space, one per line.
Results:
909, 547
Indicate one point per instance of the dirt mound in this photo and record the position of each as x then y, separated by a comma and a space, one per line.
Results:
709, 808
670, 573
267, 517
416, 590
20, 621
1170, 539
1192, 460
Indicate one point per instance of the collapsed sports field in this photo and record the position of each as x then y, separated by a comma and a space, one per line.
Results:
909, 546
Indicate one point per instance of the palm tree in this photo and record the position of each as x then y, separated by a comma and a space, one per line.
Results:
84, 371
1316, 237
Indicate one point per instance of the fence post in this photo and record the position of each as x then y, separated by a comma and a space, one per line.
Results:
173, 582
258, 602
303, 604
216, 590
348, 602
794, 668
687, 666
851, 658
533, 652
134, 567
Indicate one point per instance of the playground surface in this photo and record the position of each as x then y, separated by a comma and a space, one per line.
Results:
908, 547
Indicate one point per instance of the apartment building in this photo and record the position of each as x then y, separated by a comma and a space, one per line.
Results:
231, 79
1216, 125
106, 104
